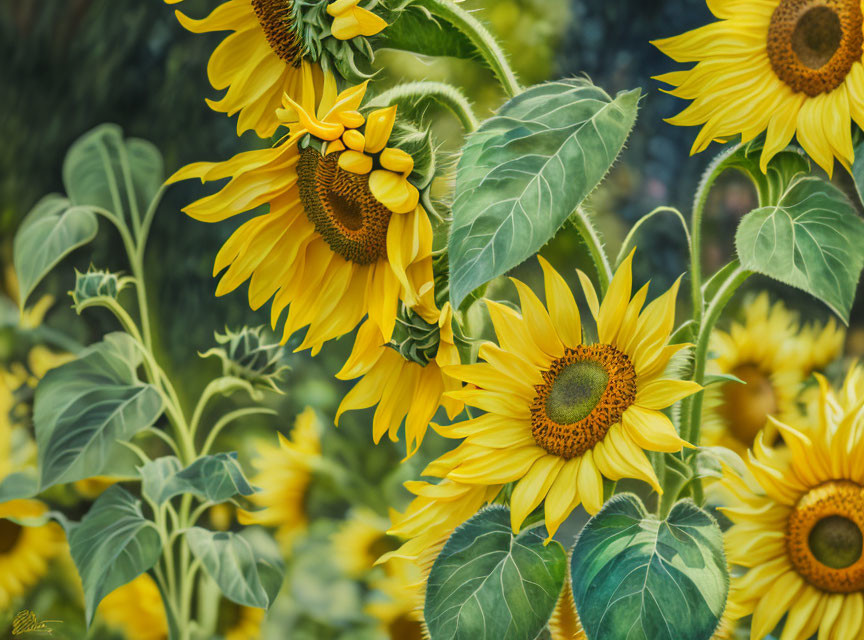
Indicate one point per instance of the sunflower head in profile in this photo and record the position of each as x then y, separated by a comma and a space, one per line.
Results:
773, 355
136, 609
798, 526
344, 233
406, 376
282, 46
785, 67
284, 472
563, 413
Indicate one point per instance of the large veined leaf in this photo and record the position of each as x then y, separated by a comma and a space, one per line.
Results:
812, 239
84, 407
112, 545
52, 230
21, 484
216, 478
635, 577
524, 172
103, 170
418, 29
247, 567
491, 584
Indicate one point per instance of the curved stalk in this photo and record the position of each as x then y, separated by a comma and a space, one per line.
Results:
483, 41
445, 94
592, 239
628, 240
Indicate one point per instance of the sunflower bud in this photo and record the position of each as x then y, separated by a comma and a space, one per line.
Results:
415, 339
245, 354
96, 283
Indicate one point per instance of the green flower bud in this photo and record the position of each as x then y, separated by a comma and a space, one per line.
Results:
246, 355
415, 339
96, 283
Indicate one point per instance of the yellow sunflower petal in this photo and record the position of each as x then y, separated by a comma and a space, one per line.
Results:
562, 306
532, 488
659, 394
590, 484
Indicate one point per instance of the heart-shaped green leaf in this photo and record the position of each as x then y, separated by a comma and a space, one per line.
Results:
158, 478
491, 584
216, 478
84, 407
524, 172
112, 545
812, 239
635, 577
103, 170
247, 567
52, 230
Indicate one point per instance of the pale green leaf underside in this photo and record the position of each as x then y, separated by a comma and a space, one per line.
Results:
812, 239
112, 545
247, 567
524, 172
489, 584
216, 478
52, 230
638, 578
84, 407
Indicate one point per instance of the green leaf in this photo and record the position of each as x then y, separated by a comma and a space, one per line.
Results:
635, 577
858, 163
811, 239
21, 484
721, 378
84, 407
53, 229
216, 478
489, 584
418, 31
103, 170
247, 567
783, 168
158, 478
112, 545
524, 172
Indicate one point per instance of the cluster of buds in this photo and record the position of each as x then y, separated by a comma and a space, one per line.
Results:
246, 355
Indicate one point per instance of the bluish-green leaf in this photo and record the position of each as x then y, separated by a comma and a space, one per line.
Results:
103, 170
112, 545
490, 584
247, 567
417, 30
158, 478
524, 172
216, 478
635, 577
84, 407
52, 230
21, 484
812, 239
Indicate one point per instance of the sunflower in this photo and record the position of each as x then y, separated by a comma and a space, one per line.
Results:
344, 232
270, 52
360, 540
562, 414
397, 604
283, 475
565, 623
773, 354
405, 376
797, 527
245, 622
788, 67
25, 551
136, 609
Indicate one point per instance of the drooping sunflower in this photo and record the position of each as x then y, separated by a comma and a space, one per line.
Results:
787, 67
360, 540
798, 525
136, 609
773, 354
404, 376
344, 231
284, 472
562, 414
278, 47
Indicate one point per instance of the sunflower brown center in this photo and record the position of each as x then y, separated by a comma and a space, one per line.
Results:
10, 532
341, 208
277, 20
824, 537
746, 407
583, 394
405, 628
812, 44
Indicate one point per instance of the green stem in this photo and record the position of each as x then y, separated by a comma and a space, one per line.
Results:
219, 386
225, 420
591, 238
480, 37
628, 240
445, 94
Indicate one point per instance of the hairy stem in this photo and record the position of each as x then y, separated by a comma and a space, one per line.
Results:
447, 95
594, 242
